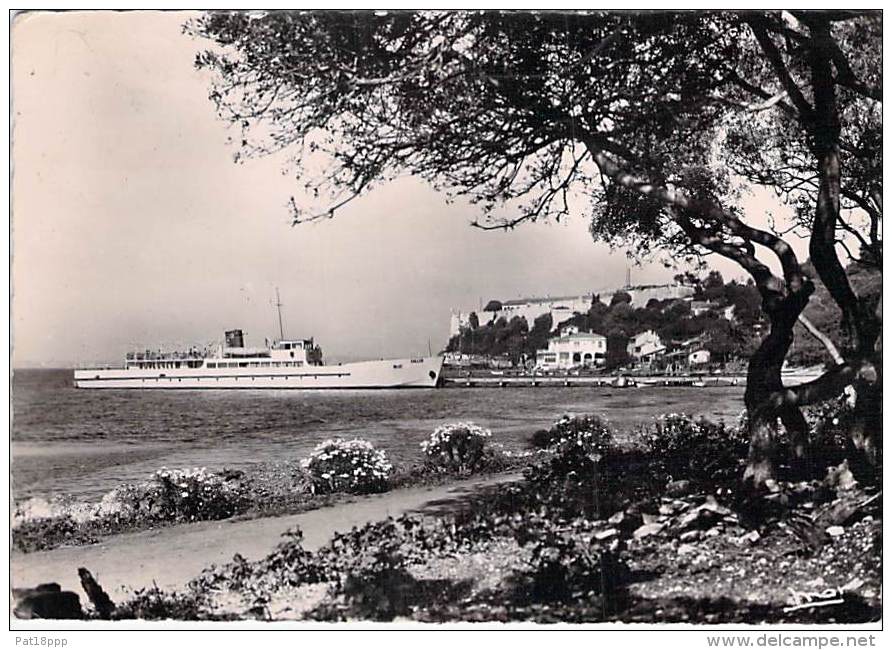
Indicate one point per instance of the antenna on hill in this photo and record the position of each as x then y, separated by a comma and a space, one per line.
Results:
279, 309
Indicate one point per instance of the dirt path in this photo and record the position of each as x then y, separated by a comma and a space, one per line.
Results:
172, 556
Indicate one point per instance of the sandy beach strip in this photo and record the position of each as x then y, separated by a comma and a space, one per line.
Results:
170, 557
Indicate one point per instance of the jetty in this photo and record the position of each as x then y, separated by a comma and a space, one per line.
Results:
556, 381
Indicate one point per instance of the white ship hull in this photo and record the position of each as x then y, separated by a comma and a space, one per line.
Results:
390, 373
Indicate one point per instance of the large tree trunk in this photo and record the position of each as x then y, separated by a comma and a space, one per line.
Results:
796, 426
858, 315
866, 430
764, 405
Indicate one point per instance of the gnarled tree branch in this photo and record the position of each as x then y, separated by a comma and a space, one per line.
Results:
823, 338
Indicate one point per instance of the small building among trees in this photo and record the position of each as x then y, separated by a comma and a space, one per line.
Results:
645, 347
698, 357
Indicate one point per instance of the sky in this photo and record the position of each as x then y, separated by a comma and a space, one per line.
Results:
133, 228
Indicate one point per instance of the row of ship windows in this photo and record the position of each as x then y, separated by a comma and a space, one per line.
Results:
152, 365
257, 364
169, 379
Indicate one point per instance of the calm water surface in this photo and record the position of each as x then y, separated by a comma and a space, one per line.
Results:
84, 442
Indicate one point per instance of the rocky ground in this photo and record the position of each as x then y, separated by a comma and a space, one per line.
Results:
591, 532
688, 559
693, 561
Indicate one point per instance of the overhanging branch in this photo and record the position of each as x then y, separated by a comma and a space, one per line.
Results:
708, 210
758, 26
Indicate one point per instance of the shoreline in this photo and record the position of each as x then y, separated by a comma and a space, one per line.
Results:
634, 378
268, 490
170, 556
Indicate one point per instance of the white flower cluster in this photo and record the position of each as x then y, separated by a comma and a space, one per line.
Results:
442, 436
351, 465
675, 423
499, 448
125, 501
191, 482
671, 431
589, 434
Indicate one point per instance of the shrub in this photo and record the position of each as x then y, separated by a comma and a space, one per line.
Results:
672, 434
156, 604
188, 495
577, 444
457, 446
353, 466
542, 439
127, 502
289, 565
48, 532
565, 563
829, 426
586, 434
683, 448
170, 496
173, 495
374, 582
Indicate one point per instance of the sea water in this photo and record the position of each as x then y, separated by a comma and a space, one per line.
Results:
85, 442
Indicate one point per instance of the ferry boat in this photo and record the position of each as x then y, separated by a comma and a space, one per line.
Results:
295, 363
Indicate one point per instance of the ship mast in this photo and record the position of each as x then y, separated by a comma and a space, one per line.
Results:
279, 309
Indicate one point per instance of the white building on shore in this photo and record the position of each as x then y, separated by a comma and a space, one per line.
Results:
573, 349
698, 357
645, 347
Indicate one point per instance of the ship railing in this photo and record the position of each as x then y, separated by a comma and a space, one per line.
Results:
166, 356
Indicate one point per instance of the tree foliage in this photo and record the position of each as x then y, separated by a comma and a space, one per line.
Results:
662, 119
620, 297
493, 305
497, 338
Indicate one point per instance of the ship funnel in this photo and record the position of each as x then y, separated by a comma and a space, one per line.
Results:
235, 339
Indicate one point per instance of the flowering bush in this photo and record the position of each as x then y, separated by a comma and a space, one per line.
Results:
188, 495
672, 433
170, 496
457, 446
576, 445
586, 434
684, 448
347, 466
